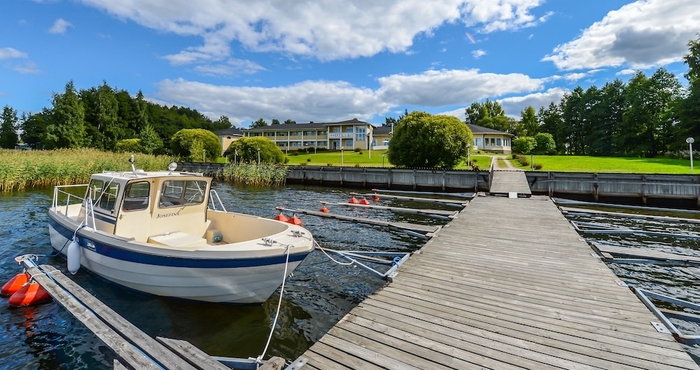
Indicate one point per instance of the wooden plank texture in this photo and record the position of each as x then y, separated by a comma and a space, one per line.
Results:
507, 284
505, 182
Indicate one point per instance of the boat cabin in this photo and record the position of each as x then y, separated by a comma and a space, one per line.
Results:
150, 206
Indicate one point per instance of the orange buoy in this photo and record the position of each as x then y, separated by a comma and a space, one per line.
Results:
14, 284
294, 220
353, 200
375, 198
323, 207
281, 217
28, 295
364, 201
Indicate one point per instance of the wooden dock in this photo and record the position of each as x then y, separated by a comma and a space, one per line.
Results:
507, 285
134, 348
510, 182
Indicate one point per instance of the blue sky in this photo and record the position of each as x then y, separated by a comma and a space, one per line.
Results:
331, 60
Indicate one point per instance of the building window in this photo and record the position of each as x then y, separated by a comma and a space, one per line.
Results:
498, 142
348, 129
360, 134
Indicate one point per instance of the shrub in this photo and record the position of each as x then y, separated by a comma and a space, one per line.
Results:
308, 159
538, 166
247, 149
190, 144
358, 150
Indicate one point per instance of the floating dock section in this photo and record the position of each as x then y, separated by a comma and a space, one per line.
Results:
508, 284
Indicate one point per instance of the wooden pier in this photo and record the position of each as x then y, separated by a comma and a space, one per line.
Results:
510, 182
508, 284
134, 348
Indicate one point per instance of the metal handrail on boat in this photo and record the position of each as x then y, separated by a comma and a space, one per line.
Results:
58, 190
212, 204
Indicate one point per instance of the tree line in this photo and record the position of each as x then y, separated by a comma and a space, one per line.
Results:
648, 116
104, 118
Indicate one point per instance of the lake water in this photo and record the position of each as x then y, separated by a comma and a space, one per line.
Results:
317, 295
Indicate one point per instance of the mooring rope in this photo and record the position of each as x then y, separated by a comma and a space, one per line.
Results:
258, 360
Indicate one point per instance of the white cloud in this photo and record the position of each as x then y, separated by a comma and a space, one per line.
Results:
233, 67
450, 87
626, 72
322, 29
10, 53
27, 68
516, 104
60, 26
334, 100
478, 53
641, 34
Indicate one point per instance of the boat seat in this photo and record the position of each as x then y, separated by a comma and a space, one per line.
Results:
178, 240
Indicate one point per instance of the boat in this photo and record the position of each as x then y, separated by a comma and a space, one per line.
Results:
168, 233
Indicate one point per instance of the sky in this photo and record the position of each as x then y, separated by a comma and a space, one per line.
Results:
333, 60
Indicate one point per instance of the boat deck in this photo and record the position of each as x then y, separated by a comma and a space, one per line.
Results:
507, 285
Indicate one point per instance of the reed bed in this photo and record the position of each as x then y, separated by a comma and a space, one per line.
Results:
254, 174
24, 169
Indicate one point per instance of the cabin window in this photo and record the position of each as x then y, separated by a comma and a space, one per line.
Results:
104, 196
136, 196
178, 193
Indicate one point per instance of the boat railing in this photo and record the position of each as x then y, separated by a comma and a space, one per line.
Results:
214, 199
63, 192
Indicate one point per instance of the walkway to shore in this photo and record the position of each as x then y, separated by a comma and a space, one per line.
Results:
508, 284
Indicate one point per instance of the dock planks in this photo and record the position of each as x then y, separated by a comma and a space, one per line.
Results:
505, 182
507, 285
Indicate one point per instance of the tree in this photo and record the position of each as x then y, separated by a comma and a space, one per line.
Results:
149, 142
8, 128
33, 128
551, 122
101, 117
196, 143
66, 128
573, 115
247, 150
224, 122
524, 145
259, 123
289, 122
689, 108
128, 146
423, 140
544, 144
528, 122
275, 121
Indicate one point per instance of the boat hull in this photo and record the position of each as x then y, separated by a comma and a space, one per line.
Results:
221, 278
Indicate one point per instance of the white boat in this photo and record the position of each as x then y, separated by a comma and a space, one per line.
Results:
167, 233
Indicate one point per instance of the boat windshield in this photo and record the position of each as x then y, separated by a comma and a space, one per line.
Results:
105, 194
136, 196
182, 193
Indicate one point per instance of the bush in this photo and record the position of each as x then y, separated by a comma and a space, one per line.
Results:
523, 160
190, 143
524, 145
246, 149
308, 159
358, 150
538, 166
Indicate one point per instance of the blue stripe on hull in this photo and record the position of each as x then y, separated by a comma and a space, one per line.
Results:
115, 252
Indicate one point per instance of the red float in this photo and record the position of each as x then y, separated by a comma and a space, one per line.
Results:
323, 207
364, 201
29, 294
295, 220
14, 284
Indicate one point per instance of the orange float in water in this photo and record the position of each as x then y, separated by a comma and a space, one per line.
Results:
323, 207
364, 201
14, 284
353, 200
29, 294
281, 217
295, 220
375, 198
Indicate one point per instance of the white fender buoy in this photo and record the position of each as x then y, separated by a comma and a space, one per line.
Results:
73, 257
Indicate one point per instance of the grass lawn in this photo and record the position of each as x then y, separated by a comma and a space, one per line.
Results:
352, 158
609, 164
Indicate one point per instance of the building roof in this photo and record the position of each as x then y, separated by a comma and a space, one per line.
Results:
382, 130
476, 129
231, 131
308, 126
